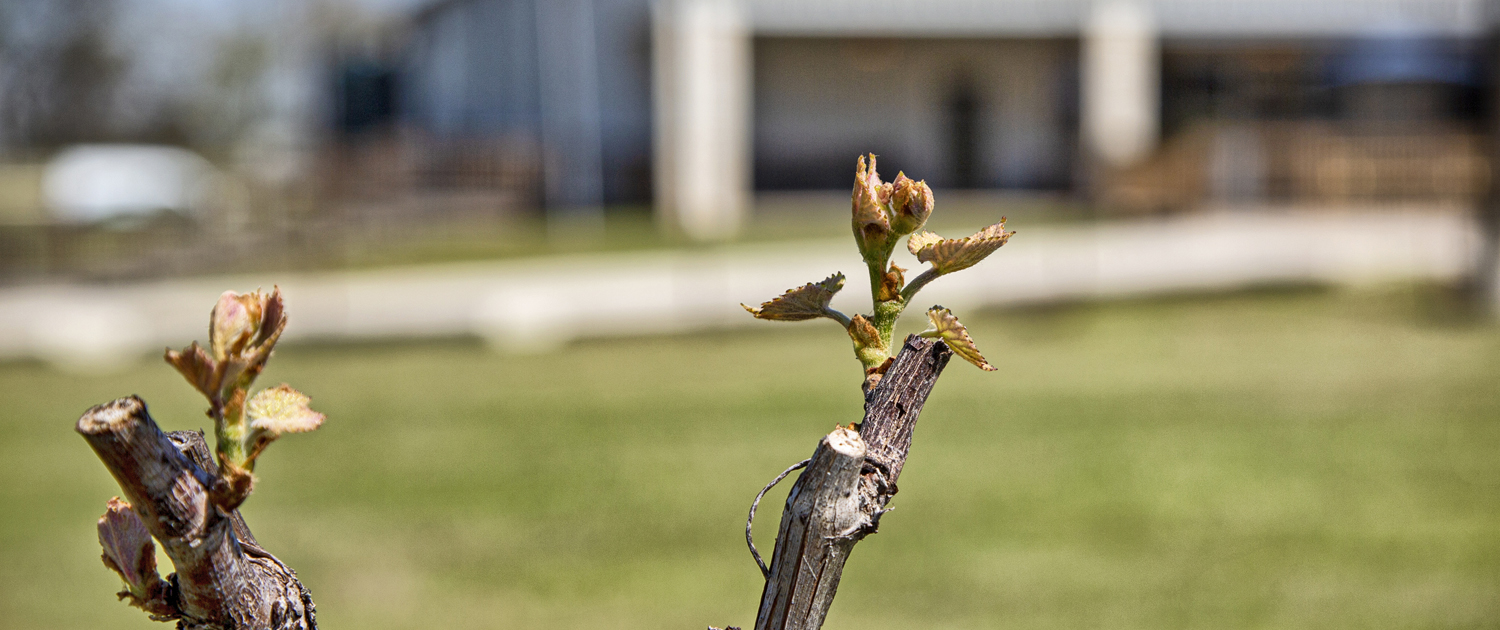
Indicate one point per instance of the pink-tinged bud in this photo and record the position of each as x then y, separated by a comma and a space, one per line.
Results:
130, 553
871, 201
128, 548
240, 324
911, 204
235, 321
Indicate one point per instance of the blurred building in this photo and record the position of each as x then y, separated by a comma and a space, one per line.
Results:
1142, 105
496, 106
564, 81
431, 110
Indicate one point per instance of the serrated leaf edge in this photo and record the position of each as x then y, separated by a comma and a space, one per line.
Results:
947, 327
270, 409
925, 245
832, 285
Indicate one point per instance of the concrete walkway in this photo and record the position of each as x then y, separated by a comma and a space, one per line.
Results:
538, 304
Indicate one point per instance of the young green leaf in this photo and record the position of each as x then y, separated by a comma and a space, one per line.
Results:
946, 327
809, 301
950, 255
271, 413
282, 409
922, 240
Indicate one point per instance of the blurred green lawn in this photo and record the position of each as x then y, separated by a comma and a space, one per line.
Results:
1295, 459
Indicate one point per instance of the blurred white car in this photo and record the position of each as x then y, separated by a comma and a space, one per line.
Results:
93, 183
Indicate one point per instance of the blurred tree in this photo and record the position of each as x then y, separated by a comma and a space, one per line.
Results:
233, 98
58, 75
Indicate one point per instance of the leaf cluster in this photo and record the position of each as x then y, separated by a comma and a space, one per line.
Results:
882, 213
242, 332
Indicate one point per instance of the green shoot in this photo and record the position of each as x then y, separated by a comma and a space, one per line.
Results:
883, 212
243, 329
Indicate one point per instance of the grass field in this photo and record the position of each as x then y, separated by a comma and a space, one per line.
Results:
1295, 459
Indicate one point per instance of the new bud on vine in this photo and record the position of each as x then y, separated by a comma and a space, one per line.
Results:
243, 329
872, 213
241, 323
882, 213
128, 549
223, 579
242, 332
911, 204
130, 553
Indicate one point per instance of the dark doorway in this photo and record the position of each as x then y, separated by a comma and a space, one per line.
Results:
366, 96
963, 134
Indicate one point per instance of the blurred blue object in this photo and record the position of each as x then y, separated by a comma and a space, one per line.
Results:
1398, 57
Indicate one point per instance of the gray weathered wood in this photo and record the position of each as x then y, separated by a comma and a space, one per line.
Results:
892, 408
224, 579
838, 500
822, 514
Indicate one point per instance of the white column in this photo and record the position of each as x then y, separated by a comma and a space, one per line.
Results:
1121, 83
701, 59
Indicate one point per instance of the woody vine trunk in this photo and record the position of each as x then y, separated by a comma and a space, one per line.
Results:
224, 579
839, 499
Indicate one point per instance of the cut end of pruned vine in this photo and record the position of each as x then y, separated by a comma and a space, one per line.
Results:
809, 301
947, 328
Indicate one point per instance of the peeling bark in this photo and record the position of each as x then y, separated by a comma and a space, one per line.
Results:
224, 579
838, 500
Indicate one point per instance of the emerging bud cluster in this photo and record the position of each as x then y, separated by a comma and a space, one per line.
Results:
241, 325
912, 203
882, 213
886, 211
242, 332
